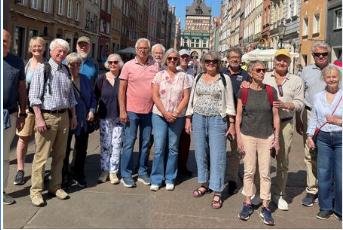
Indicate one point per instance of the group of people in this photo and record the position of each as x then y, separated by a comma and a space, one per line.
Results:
158, 92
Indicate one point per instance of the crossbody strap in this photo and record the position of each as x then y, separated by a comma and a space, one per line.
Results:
331, 113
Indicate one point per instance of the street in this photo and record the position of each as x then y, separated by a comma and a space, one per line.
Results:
114, 206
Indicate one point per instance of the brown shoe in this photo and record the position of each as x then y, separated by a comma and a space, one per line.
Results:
103, 177
37, 200
60, 194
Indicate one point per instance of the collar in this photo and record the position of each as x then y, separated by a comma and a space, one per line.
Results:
288, 75
150, 59
54, 64
236, 73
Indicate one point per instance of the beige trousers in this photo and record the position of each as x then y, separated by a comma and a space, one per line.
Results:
257, 149
8, 136
54, 140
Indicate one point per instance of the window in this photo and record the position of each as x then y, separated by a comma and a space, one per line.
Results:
109, 6
338, 19
103, 5
88, 20
18, 41
77, 11
69, 8
46, 6
316, 24
96, 2
305, 27
34, 4
60, 7
21, 2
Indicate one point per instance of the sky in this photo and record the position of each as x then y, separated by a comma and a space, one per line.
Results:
180, 7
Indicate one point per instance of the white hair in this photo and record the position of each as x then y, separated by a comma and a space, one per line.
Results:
61, 42
320, 44
142, 40
158, 45
73, 57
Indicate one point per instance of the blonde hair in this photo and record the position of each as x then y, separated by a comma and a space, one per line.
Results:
37, 39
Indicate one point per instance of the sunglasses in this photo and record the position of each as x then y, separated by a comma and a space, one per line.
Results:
211, 61
75, 65
173, 58
260, 70
321, 54
113, 62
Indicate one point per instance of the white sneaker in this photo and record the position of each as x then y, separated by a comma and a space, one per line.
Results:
154, 187
170, 187
114, 178
256, 199
282, 204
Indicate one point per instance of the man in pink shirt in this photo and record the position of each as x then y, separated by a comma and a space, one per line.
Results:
135, 104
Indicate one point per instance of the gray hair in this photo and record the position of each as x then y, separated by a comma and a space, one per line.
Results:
166, 55
215, 56
158, 45
142, 40
61, 42
38, 39
328, 69
320, 44
235, 50
117, 56
252, 65
73, 58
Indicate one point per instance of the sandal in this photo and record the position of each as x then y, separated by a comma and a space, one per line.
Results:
217, 204
199, 193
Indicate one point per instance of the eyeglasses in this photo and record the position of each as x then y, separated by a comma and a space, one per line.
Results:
113, 62
143, 48
260, 70
173, 58
75, 65
321, 54
211, 61
234, 57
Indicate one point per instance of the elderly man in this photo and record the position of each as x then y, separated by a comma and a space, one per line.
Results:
135, 103
237, 76
51, 97
185, 139
313, 84
88, 67
290, 90
14, 92
158, 51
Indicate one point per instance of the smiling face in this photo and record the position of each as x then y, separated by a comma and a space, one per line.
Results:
281, 63
210, 64
74, 67
158, 54
83, 49
58, 54
184, 60
321, 56
113, 64
172, 60
37, 48
332, 78
234, 59
142, 50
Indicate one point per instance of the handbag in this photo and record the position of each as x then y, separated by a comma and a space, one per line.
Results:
316, 131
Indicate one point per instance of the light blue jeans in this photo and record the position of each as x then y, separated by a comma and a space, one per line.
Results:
130, 135
209, 136
162, 131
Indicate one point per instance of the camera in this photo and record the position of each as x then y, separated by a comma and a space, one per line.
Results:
229, 137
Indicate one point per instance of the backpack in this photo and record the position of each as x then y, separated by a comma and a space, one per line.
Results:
269, 92
221, 76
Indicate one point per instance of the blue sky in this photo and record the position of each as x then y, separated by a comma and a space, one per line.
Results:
180, 7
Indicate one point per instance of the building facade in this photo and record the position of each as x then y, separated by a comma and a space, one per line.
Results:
334, 28
252, 24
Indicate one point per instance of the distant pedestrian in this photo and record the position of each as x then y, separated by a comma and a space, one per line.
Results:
111, 128
51, 98
37, 49
135, 101
14, 93
170, 94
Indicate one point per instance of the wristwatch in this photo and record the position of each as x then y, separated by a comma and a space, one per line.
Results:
23, 115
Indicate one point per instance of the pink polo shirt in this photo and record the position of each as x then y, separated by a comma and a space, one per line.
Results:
139, 87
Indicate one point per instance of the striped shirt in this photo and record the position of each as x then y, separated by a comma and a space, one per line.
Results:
62, 95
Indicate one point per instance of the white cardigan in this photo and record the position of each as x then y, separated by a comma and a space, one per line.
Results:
228, 105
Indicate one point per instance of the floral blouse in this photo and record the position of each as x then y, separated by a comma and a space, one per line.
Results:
171, 92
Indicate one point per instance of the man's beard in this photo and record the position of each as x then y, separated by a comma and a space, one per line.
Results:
83, 55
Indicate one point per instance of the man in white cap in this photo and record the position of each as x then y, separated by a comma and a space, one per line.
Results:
185, 139
88, 67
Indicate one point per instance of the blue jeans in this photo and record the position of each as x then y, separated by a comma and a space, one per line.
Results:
209, 133
162, 131
329, 171
130, 135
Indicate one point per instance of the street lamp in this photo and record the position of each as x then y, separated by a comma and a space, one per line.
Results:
282, 30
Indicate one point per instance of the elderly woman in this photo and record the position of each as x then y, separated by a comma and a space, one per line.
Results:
37, 49
85, 109
170, 95
210, 118
326, 115
257, 127
111, 129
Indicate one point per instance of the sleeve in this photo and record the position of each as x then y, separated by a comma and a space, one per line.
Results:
97, 86
275, 97
187, 83
158, 78
72, 98
298, 100
124, 75
37, 86
230, 102
92, 106
312, 124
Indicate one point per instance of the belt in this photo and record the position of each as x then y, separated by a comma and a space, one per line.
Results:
54, 111
286, 119
308, 108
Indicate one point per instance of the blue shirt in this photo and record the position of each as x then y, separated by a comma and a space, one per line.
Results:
90, 69
321, 109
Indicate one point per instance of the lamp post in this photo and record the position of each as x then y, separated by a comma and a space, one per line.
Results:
282, 30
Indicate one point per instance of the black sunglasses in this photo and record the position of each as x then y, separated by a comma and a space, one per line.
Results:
173, 58
113, 62
260, 70
321, 54
207, 61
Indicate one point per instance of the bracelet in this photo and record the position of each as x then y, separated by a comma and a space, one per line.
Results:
23, 115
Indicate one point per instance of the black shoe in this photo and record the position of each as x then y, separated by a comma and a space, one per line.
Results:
81, 183
324, 214
185, 171
19, 178
232, 187
309, 199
